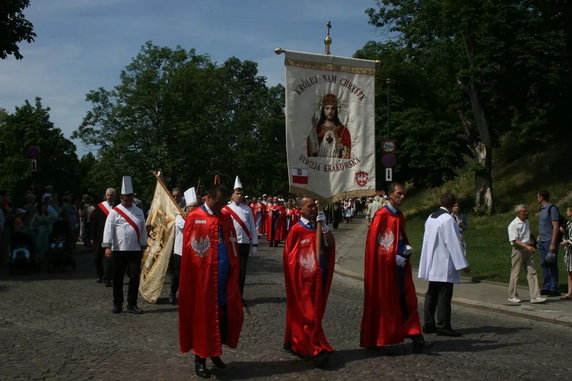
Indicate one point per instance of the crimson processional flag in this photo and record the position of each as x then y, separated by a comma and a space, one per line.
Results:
330, 129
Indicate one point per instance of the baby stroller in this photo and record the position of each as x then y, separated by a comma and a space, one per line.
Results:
59, 254
21, 259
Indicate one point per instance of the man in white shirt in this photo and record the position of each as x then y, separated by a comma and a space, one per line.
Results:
442, 258
243, 221
522, 249
124, 239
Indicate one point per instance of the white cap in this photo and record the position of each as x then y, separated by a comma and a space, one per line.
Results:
126, 185
190, 196
237, 184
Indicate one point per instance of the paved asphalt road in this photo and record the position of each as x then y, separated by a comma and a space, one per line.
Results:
59, 326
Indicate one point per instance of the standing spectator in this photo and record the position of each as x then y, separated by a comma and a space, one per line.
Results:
461, 220
522, 249
548, 228
2, 225
567, 243
43, 232
374, 206
348, 210
390, 302
442, 258
124, 239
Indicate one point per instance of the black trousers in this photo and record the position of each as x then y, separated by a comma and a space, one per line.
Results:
102, 264
243, 250
126, 262
175, 273
438, 298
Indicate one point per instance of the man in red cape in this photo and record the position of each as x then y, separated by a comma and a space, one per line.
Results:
210, 307
275, 222
390, 303
308, 277
258, 212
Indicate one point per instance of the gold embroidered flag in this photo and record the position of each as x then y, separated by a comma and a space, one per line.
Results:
161, 236
330, 128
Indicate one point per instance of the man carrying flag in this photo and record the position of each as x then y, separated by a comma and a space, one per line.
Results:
210, 307
124, 239
308, 277
390, 303
243, 222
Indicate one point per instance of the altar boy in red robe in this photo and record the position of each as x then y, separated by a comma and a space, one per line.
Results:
308, 277
390, 303
210, 307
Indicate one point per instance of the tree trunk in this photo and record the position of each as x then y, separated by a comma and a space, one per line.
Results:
479, 141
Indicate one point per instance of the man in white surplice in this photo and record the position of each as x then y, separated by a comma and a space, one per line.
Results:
442, 258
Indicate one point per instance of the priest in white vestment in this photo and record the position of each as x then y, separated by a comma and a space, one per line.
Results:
442, 258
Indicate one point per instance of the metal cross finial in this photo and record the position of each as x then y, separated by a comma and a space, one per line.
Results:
328, 40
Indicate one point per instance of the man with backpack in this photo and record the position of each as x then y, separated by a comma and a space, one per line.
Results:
548, 242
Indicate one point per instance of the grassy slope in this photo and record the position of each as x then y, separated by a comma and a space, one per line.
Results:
515, 181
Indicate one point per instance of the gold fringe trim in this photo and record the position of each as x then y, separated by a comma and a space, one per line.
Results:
329, 67
340, 196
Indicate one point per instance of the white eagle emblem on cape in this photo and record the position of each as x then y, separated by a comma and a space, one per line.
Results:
386, 240
201, 245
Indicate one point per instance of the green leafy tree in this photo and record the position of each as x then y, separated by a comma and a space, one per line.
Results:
178, 111
57, 164
510, 60
14, 27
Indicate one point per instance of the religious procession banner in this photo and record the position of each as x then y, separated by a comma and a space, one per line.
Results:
161, 236
330, 129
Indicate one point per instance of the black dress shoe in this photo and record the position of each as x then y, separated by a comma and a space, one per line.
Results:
554, 293
429, 329
218, 362
448, 332
134, 310
107, 283
544, 292
321, 359
201, 369
287, 347
117, 309
420, 344
99, 280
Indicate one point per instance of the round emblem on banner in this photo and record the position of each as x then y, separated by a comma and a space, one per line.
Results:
389, 160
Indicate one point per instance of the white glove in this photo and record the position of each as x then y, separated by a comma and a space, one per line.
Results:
322, 218
252, 251
400, 261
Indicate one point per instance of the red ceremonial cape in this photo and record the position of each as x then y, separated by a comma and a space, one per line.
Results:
306, 291
382, 322
280, 231
198, 287
258, 210
294, 215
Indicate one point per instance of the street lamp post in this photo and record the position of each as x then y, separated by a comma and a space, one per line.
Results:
388, 81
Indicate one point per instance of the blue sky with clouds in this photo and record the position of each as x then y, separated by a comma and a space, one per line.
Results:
84, 44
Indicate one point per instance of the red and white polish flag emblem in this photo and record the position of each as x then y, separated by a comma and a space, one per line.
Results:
299, 175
